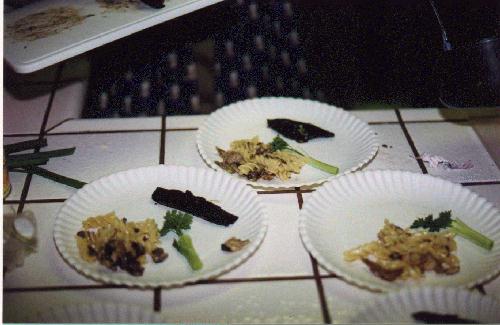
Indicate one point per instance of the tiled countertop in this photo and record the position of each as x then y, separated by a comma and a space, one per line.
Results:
281, 283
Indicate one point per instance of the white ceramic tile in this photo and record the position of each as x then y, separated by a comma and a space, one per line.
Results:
488, 131
344, 299
440, 114
180, 149
23, 115
489, 192
456, 142
248, 302
394, 152
431, 114
387, 115
44, 267
68, 103
96, 155
26, 307
195, 121
16, 179
281, 253
108, 124
185, 122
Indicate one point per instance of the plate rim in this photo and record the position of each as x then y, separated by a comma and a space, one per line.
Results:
308, 245
79, 265
369, 304
202, 129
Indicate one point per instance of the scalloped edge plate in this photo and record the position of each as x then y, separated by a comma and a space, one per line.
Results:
350, 211
128, 193
397, 307
353, 146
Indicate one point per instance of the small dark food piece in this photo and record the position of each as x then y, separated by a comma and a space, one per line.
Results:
159, 255
157, 4
298, 131
385, 274
434, 318
195, 205
234, 244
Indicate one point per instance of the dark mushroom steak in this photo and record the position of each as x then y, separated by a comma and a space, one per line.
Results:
298, 131
192, 204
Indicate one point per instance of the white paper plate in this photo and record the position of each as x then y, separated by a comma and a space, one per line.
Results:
128, 193
398, 307
353, 146
99, 313
350, 211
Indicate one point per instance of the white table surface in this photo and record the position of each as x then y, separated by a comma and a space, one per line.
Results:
280, 283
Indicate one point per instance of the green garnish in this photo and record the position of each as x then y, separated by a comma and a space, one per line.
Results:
278, 144
456, 225
185, 246
50, 175
177, 222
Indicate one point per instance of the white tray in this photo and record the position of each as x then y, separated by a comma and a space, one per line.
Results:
102, 28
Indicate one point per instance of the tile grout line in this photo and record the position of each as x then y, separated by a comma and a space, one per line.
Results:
480, 183
163, 139
201, 282
157, 292
41, 134
157, 299
59, 71
104, 132
317, 278
410, 142
35, 201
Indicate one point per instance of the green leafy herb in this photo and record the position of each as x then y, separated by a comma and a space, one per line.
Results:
278, 144
457, 226
177, 222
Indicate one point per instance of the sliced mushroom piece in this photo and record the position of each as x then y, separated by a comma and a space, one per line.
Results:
234, 244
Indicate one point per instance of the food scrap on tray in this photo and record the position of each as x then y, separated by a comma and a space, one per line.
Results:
117, 243
298, 131
400, 254
45, 23
195, 205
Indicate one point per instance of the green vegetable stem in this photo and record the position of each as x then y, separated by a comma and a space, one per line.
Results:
457, 226
177, 222
185, 246
279, 144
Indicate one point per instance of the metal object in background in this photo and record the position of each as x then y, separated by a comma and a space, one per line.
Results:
469, 72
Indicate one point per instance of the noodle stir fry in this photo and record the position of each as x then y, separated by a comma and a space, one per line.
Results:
254, 160
117, 243
401, 254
